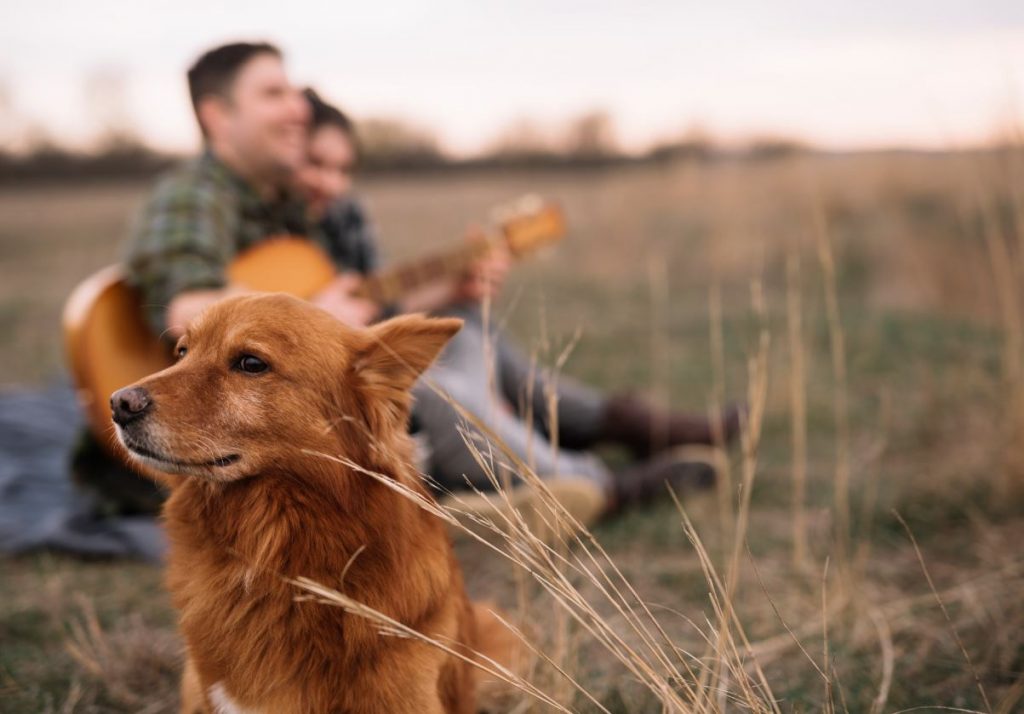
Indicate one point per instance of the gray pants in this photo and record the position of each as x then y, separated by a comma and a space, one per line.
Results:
496, 385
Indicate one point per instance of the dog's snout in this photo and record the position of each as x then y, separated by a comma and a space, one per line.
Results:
129, 404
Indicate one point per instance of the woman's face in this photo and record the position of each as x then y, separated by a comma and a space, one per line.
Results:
327, 173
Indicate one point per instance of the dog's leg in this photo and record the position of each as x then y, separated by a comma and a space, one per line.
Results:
193, 700
407, 682
495, 642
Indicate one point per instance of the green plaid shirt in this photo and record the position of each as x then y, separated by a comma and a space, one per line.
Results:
198, 219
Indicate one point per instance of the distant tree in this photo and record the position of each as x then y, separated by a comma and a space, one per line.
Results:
695, 144
591, 136
122, 143
522, 140
39, 141
125, 153
768, 148
115, 156
394, 143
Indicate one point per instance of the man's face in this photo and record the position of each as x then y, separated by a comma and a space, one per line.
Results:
264, 122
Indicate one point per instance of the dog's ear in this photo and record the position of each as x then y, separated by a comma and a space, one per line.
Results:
399, 350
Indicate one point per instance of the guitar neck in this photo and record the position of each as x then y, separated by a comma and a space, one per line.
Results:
389, 286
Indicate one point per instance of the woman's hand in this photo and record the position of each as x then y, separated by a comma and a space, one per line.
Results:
485, 276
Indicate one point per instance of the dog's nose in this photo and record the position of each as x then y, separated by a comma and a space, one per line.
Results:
128, 404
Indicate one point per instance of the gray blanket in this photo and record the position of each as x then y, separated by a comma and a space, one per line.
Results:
40, 508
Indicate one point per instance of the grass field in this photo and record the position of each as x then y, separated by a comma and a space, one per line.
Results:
685, 281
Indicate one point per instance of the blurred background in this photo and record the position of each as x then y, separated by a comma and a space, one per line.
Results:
464, 81
816, 203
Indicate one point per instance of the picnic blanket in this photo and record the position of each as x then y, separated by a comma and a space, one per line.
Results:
40, 506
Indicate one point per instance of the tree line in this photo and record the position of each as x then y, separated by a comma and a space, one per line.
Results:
387, 145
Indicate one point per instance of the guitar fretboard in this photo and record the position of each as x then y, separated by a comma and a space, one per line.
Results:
389, 286
535, 225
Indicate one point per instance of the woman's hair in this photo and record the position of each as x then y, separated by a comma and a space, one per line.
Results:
324, 114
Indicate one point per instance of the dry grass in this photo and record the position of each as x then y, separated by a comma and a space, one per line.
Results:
879, 349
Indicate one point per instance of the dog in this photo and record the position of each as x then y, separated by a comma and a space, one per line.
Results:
262, 385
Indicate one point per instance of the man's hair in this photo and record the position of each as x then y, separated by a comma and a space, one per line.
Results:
324, 114
215, 71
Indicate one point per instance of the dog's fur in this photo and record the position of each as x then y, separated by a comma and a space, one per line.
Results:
251, 507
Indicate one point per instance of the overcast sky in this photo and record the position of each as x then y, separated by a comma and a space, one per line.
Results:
914, 72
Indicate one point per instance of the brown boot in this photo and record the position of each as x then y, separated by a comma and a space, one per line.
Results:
643, 482
638, 425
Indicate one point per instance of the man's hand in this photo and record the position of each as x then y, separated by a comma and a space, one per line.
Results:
340, 300
187, 305
486, 275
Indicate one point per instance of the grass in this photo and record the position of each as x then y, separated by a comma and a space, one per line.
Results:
926, 335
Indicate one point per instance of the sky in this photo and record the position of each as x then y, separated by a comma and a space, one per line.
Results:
842, 75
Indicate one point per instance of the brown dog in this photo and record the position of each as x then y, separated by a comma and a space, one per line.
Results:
260, 382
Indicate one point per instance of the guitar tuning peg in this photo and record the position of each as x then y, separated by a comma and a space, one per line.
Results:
525, 205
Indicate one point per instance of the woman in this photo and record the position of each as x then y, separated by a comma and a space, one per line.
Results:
326, 182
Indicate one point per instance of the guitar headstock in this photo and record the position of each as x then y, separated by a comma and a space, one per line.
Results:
530, 224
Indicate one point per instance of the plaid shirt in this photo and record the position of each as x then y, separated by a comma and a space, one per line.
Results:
198, 219
349, 237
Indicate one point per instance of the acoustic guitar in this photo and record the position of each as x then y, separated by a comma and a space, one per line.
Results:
109, 345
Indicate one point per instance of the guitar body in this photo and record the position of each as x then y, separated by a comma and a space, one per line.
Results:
283, 265
109, 345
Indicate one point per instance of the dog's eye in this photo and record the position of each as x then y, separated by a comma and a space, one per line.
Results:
252, 365
181, 351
